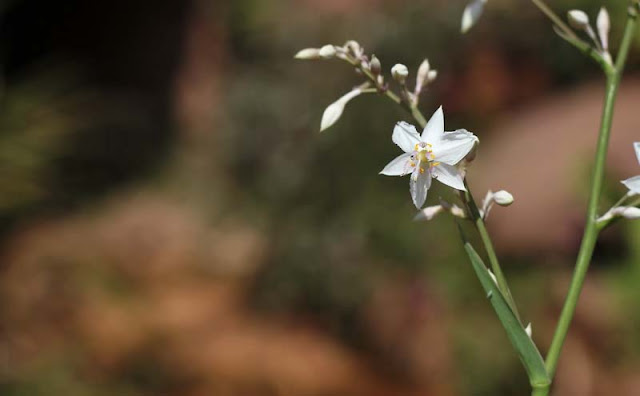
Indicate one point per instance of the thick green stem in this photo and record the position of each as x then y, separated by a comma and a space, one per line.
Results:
541, 390
592, 229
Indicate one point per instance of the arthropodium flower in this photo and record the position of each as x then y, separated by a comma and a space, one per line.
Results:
433, 154
633, 184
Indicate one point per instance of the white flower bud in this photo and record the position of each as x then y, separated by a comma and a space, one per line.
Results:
327, 52
628, 212
604, 24
400, 73
493, 277
335, 109
422, 76
528, 330
428, 213
432, 75
578, 19
503, 198
354, 47
471, 14
308, 53
375, 65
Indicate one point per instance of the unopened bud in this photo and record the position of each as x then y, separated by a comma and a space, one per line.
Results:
428, 213
327, 52
400, 73
423, 76
308, 53
604, 24
628, 212
528, 330
578, 19
432, 75
503, 198
375, 65
354, 48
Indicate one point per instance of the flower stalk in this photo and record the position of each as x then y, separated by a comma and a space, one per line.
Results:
592, 229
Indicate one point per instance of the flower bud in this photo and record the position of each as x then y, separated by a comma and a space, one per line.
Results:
428, 213
400, 73
354, 48
471, 14
628, 212
327, 52
333, 112
423, 76
503, 198
578, 19
528, 330
308, 53
432, 75
375, 65
604, 24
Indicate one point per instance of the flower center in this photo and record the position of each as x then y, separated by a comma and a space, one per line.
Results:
423, 154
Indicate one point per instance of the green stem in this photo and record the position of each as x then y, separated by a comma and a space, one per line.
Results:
555, 19
592, 229
488, 246
540, 390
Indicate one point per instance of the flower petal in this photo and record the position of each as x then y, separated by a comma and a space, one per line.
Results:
435, 127
418, 186
454, 146
405, 136
449, 175
633, 184
636, 146
399, 166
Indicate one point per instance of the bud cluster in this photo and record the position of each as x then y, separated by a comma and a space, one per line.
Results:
579, 20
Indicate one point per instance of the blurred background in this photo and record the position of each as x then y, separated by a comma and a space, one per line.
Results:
172, 222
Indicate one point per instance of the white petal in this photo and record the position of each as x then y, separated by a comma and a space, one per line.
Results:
454, 146
400, 166
448, 175
603, 23
418, 186
405, 136
471, 14
636, 146
335, 109
435, 127
528, 330
633, 184
429, 213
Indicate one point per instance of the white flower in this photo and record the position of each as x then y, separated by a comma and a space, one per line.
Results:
633, 184
433, 154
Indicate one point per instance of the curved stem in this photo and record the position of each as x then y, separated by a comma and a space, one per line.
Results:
592, 229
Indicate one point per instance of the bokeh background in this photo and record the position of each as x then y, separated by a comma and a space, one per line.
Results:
172, 222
